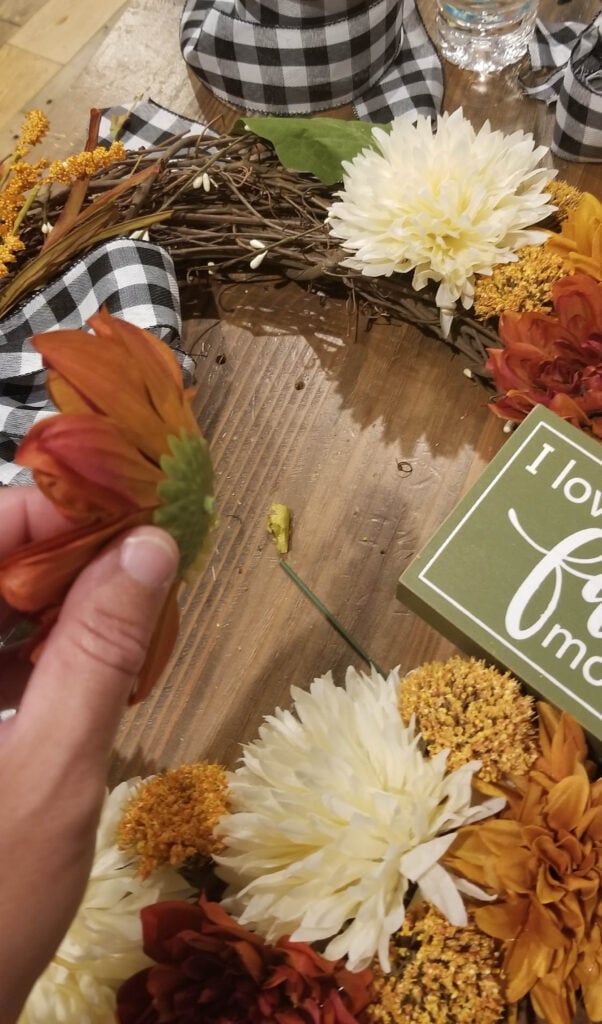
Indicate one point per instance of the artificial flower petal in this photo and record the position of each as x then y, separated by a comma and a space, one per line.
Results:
547, 874
335, 811
125, 451
445, 205
129, 376
38, 576
567, 801
554, 361
208, 967
103, 946
83, 464
580, 240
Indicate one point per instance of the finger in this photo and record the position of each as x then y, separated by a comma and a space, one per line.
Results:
27, 516
95, 651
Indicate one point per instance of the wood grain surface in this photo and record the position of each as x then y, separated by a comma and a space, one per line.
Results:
370, 438
44, 46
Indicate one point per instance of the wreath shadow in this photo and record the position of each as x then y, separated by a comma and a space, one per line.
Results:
391, 375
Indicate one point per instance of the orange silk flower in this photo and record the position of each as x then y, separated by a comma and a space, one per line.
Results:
580, 240
542, 857
554, 361
125, 450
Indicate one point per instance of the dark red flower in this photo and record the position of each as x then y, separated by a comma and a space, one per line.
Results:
554, 361
209, 969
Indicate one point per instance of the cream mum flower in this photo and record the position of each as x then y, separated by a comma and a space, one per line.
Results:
336, 814
447, 206
103, 946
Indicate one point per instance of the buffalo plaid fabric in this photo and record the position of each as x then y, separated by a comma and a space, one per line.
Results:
574, 51
281, 58
133, 280
147, 125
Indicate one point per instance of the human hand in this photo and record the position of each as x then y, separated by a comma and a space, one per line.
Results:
54, 752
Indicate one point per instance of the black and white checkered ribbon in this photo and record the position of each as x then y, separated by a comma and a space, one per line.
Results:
133, 279
574, 52
147, 124
281, 57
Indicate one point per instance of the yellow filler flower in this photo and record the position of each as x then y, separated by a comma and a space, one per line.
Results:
172, 817
474, 711
440, 974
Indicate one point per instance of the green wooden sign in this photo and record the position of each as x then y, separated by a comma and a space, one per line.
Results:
514, 575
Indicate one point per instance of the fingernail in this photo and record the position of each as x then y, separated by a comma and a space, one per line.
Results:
150, 557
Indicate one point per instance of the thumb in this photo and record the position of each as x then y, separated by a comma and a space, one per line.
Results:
90, 661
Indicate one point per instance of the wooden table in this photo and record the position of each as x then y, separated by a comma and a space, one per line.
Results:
298, 410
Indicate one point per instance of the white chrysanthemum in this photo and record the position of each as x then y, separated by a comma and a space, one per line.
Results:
447, 205
103, 946
335, 812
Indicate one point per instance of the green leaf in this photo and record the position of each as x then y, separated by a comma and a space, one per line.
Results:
187, 502
314, 144
118, 123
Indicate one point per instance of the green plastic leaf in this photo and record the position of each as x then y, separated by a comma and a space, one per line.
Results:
317, 145
187, 502
118, 123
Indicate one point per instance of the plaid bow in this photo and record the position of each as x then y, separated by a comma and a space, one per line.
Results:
134, 280
283, 58
574, 51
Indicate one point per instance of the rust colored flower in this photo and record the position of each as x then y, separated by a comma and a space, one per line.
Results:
554, 361
209, 968
580, 241
542, 857
125, 450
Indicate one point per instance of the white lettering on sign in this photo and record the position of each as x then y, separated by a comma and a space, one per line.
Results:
550, 572
545, 450
592, 593
563, 474
576, 489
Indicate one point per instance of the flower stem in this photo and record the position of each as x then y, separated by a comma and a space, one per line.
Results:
7, 167
25, 209
334, 622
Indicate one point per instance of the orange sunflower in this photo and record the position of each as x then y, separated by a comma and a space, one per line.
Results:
124, 450
542, 857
